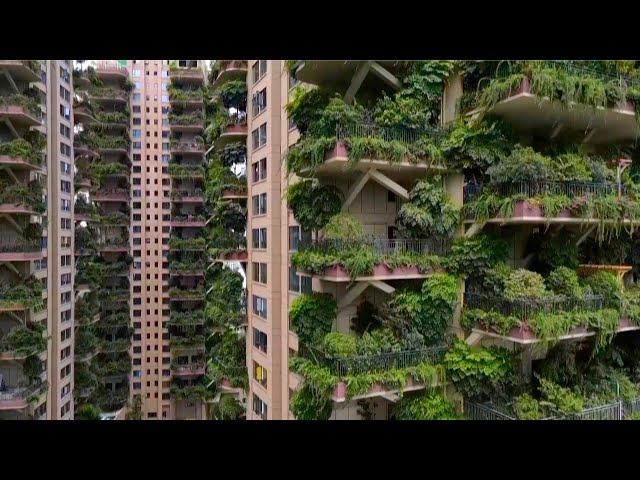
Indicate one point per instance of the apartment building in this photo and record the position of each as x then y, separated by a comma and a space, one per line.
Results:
36, 299
102, 217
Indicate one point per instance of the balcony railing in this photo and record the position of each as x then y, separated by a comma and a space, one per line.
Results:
19, 246
525, 308
352, 365
489, 411
389, 134
381, 246
534, 189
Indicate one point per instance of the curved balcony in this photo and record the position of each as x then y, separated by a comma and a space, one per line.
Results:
20, 110
230, 70
186, 294
12, 250
197, 244
83, 114
25, 71
187, 196
188, 221
394, 259
187, 148
17, 398
183, 170
235, 131
188, 370
188, 122
112, 72
117, 195
192, 76
108, 95
239, 193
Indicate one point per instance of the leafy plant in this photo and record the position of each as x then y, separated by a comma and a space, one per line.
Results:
431, 406
313, 204
311, 316
523, 283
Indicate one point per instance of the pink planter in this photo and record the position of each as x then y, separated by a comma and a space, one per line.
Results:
340, 151
525, 209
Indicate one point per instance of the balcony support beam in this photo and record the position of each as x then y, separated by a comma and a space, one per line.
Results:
11, 81
386, 76
389, 184
473, 339
585, 235
356, 81
12, 128
475, 228
380, 285
355, 189
12, 267
352, 294
10, 219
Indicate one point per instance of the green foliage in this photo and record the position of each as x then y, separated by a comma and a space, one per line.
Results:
313, 204
472, 257
605, 284
381, 340
524, 164
439, 300
560, 399
338, 344
430, 211
559, 251
306, 404
477, 318
564, 281
523, 283
478, 373
87, 411
527, 408
233, 94
431, 406
344, 226
311, 316
306, 106
366, 318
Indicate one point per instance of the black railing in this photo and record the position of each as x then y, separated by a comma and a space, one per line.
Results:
541, 188
381, 246
398, 134
525, 308
378, 362
13, 246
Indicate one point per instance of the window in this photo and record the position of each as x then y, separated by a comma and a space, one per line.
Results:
259, 237
259, 136
259, 169
260, 306
259, 272
65, 186
65, 131
66, 205
259, 407
259, 69
260, 374
296, 236
259, 204
65, 149
260, 340
65, 167
259, 101
65, 112
299, 283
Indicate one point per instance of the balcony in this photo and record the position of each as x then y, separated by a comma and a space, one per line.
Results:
185, 97
186, 268
239, 193
117, 195
22, 342
20, 154
230, 70
490, 411
115, 219
398, 152
194, 294
182, 170
114, 245
192, 76
234, 131
187, 148
82, 113
25, 71
337, 75
187, 122
386, 259
26, 295
188, 370
527, 111
20, 110
108, 95
575, 203
517, 321
188, 221
112, 72
117, 120
187, 196
18, 398
187, 244
188, 318
17, 250
111, 347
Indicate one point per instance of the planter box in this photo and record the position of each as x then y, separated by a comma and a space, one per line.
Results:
525, 209
338, 151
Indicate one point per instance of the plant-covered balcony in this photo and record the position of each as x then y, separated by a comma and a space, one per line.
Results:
222, 181
111, 194
223, 71
20, 108
118, 117
186, 318
21, 150
226, 245
86, 310
187, 244
557, 98
25, 295
99, 171
112, 368
87, 344
114, 219
86, 241
186, 73
116, 294
19, 249
85, 380
115, 346
188, 342
226, 303
107, 94
531, 187
187, 265
90, 272
187, 294
194, 145
190, 391
227, 367
190, 121
29, 196
187, 195
186, 170
109, 399
21, 342
185, 96
23, 70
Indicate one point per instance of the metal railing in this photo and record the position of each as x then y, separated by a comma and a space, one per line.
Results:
533, 189
381, 246
525, 308
17, 246
631, 407
489, 411
378, 362
397, 134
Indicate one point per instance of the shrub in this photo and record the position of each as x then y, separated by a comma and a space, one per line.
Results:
439, 300
472, 257
339, 344
564, 281
312, 316
344, 226
523, 283
607, 285
430, 406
